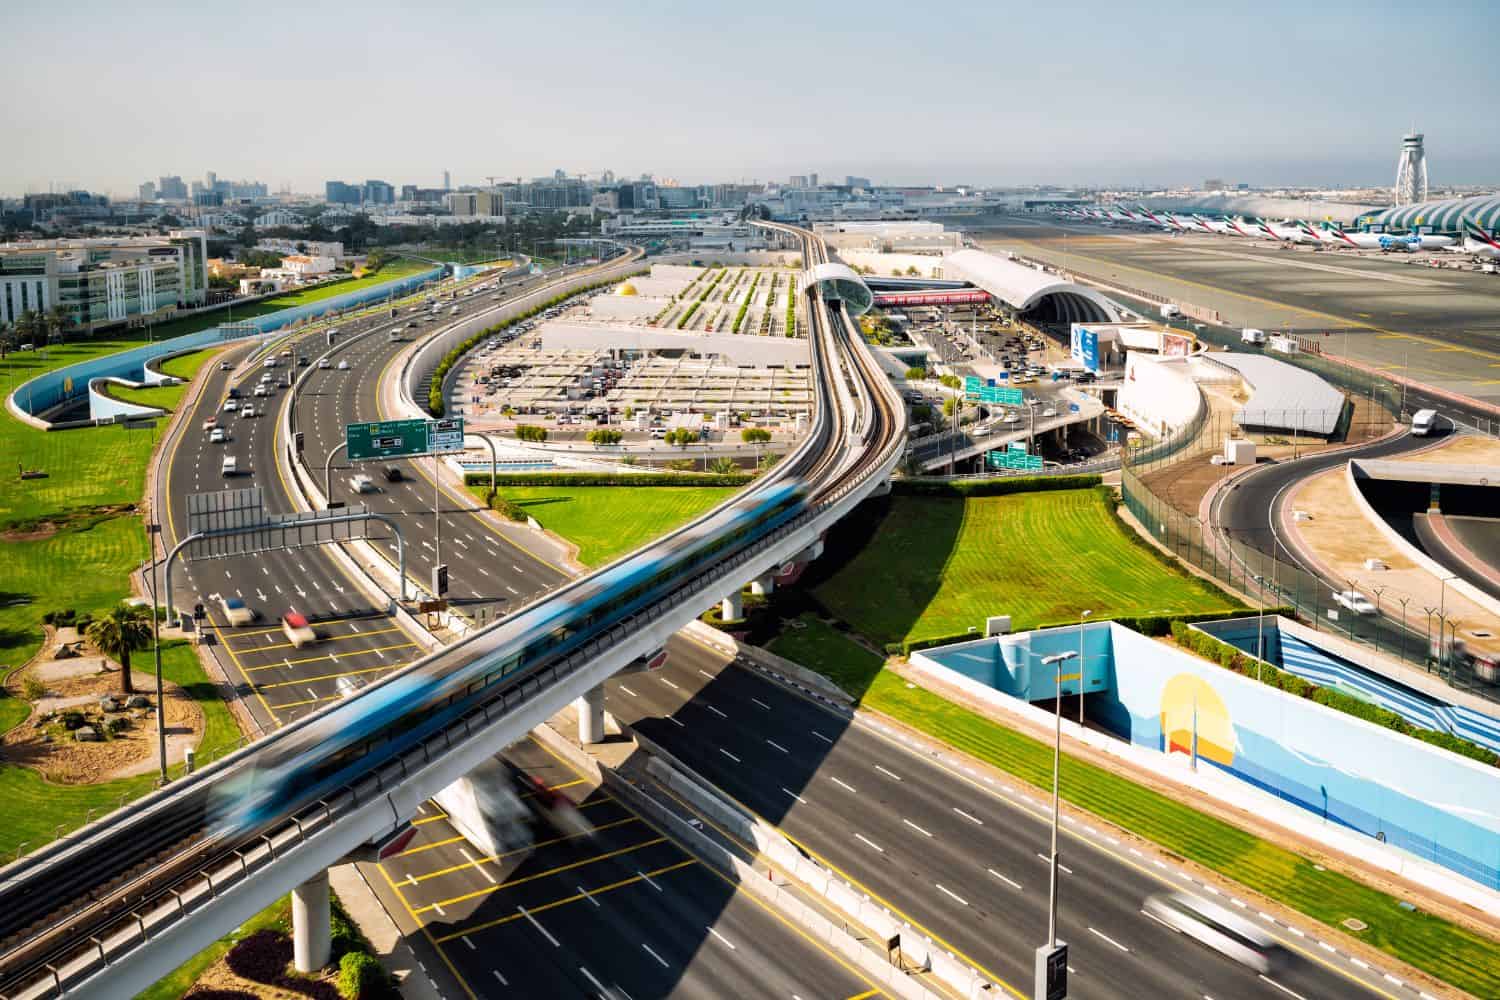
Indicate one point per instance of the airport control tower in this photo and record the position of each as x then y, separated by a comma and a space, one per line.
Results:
1411, 171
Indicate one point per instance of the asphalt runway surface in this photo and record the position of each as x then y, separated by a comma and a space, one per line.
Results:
1441, 327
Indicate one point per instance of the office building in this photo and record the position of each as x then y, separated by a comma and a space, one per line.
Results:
850, 181
339, 193
474, 203
171, 188
378, 193
105, 281
447, 182
638, 196
147, 191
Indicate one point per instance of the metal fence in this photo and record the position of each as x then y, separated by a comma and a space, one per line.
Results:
1257, 563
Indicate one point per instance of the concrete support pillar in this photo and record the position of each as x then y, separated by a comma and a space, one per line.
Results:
762, 586
733, 608
310, 923
590, 709
812, 552
881, 490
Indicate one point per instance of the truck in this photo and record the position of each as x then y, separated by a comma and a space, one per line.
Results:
1250, 335
1169, 311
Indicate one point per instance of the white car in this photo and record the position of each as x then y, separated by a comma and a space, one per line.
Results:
1354, 601
362, 484
230, 405
343, 366
248, 411
235, 611
218, 435
262, 390
324, 363
225, 366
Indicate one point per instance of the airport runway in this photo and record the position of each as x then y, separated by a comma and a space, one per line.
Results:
1441, 327
960, 859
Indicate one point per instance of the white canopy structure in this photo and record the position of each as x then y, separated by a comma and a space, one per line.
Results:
1027, 290
838, 281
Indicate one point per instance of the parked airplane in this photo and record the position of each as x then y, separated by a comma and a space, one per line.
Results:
1477, 242
1287, 232
1220, 226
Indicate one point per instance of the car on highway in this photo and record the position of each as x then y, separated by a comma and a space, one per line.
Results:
302, 361
218, 435
210, 423
392, 473
324, 363
248, 411
235, 611
1354, 601
225, 366
362, 483
295, 627
343, 366
230, 405
1227, 933
229, 467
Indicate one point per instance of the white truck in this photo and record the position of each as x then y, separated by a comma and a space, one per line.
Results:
1169, 311
1250, 335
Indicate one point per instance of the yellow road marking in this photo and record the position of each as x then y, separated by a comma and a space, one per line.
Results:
330, 656
865, 995
325, 677
491, 858
428, 819
276, 719
339, 637
230, 630
554, 904
543, 874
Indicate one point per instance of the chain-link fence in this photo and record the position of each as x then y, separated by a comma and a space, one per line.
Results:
1158, 486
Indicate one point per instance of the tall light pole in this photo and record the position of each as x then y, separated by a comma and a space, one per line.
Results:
1081, 661
1052, 957
152, 530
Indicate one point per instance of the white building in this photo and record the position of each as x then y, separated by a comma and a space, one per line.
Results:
312, 248
278, 217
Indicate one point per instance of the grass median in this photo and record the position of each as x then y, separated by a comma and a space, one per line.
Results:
931, 566
605, 522
1438, 947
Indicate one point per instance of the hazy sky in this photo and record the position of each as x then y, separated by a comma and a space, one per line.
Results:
104, 96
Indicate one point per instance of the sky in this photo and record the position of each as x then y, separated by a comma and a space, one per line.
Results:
1067, 92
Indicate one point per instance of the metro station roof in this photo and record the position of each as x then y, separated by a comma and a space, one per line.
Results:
1439, 216
1024, 288
839, 281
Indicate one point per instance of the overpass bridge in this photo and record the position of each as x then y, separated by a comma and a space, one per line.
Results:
107, 911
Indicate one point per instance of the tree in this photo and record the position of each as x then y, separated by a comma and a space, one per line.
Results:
28, 325
912, 270
120, 632
950, 406
755, 435
916, 374
951, 381
59, 321
247, 235
723, 466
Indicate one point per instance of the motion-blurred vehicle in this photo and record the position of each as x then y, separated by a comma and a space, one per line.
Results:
295, 627
1227, 933
235, 611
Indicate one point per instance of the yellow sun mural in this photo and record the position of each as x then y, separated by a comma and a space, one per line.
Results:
1182, 697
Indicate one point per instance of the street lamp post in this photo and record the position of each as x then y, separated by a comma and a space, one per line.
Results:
1404, 602
1377, 591
1427, 649
152, 530
1053, 954
1081, 660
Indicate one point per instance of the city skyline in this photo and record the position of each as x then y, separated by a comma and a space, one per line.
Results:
1285, 98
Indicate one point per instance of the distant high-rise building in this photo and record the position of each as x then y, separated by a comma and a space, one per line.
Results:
559, 174
857, 182
447, 182
812, 180
797, 181
339, 193
1411, 170
171, 188
147, 191
1213, 184
379, 193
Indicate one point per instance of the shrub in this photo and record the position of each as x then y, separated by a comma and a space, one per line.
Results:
261, 958
361, 977
609, 479
33, 689
73, 719
992, 487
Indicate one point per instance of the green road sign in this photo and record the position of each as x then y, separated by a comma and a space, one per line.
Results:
387, 439
978, 392
1017, 460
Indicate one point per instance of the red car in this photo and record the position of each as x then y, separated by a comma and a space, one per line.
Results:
210, 423
297, 630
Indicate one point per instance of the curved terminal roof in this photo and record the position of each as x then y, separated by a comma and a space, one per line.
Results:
1283, 395
1264, 206
838, 281
1439, 216
1027, 290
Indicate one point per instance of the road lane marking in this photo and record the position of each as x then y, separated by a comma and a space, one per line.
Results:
761, 703
729, 755
952, 895
477, 865
723, 938
1283, 989
1008, 881
891, 774
860, 836
716, 711
794, 795
821, 736
915, 827
628, 691
465, 940
1060, 866
836, 781
778, 746
972, 819
705, 673
654, 955
669, 684
1105, 937
585, 894
597, 985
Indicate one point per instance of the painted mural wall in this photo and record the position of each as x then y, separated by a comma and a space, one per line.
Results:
1432, 803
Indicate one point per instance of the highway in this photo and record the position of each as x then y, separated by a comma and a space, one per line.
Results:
629, 910
950, 853
142, 852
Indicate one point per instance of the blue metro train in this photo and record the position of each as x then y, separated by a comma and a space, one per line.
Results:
331, 750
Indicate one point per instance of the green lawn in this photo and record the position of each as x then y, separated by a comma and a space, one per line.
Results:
933, 566
1427, 942
605, 522
167, 397
276, 917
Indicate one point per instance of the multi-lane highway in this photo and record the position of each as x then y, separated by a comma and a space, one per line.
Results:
963, 859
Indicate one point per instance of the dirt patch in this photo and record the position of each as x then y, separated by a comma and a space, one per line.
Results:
44, 743
33, 531
1467, 449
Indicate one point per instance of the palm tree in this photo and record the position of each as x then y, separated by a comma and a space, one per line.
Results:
724, 466
59, 321
26, 326
119, 633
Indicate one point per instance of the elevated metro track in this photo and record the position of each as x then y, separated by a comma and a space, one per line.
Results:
109, 910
